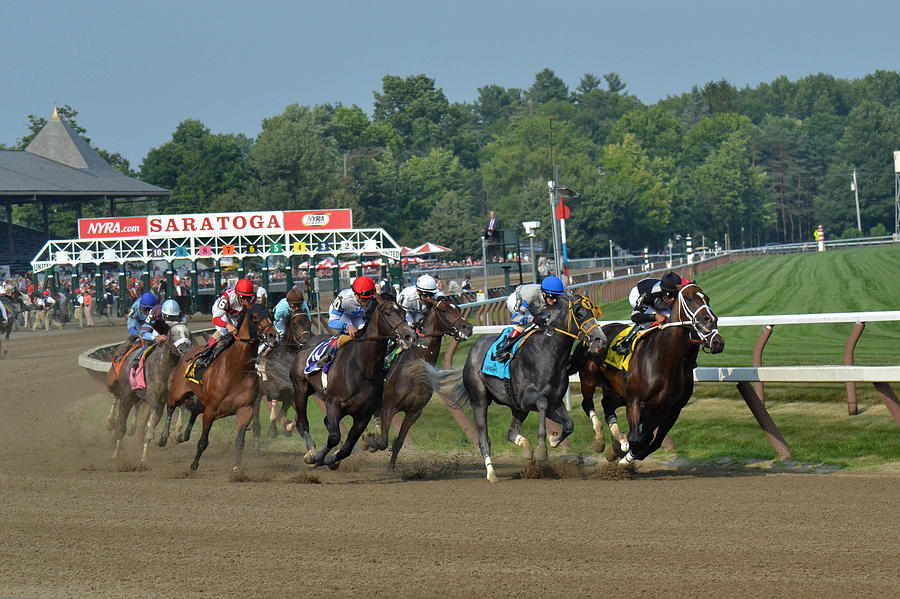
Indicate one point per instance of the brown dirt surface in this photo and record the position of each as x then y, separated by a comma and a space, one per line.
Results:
76, 523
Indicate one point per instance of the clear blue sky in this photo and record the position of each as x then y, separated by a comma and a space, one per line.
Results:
134, 70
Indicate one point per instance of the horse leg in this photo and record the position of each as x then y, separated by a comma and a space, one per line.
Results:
479, 416
333, 424
141, 428
409, 419
132, 425
639, 433
587, 404
185, 435
254, 422
111, 418
359, 427
540, 404
244, 418
151, 432
514, 436
301, 400
379, 441
203, 443
560, 415
283, 420
273, 417
122, 410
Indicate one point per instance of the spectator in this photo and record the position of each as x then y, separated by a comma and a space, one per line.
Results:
88, 302
466, 284
492, 230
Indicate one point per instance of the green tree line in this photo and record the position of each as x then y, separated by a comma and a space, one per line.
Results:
758, 165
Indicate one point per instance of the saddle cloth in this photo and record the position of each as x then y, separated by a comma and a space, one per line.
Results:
618, 361
136, 376
501, 369
313, 359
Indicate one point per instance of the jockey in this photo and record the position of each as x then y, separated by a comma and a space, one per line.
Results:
139, 311
530, 306
348, 315
413, 300
652, 301
226, 313
156, 327
289, 305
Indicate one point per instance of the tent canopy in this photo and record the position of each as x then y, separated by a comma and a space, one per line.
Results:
428, 248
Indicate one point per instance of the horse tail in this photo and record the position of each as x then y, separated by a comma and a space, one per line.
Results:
449, 385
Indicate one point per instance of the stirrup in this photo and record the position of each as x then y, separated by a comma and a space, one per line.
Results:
622, 349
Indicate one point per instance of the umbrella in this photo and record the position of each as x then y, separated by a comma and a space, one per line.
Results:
429, 248
412, 260
405, 250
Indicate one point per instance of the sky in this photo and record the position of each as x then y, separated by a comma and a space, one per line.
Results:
135, 70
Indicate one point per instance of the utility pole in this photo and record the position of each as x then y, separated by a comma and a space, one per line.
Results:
855, 189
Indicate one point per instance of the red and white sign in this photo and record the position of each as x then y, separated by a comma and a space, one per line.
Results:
312, 220
112, 228
224, 223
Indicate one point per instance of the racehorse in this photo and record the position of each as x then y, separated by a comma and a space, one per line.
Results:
660, 377
355, 380
274, 369
229, 386
538, 378
10, 302
406, 391
158, 366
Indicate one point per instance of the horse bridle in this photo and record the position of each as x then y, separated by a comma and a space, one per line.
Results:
451, 329
583, 331
694, 318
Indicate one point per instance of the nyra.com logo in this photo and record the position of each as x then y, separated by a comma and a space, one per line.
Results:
105, 228
316, 220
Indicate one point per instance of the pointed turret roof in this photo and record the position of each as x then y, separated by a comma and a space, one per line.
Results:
59, 162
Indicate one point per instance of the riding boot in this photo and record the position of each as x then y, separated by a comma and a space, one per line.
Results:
206, 356
623, 348
326, 357
504, 351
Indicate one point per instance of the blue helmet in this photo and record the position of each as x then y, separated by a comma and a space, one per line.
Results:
553, 286
148, 300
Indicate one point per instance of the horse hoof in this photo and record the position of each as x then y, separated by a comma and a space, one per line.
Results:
290, 426
610, 454
334, 465
540, 454
194, 466
162, 442
555, 441
625, 446
599, 445
309, 458
364, 444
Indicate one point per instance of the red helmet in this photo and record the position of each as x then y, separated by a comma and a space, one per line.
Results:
244, 287
46, 292
364, 287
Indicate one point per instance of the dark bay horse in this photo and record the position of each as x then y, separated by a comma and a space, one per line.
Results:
538, 378
14, 306
230, 384
274, 368
406, 387
660, 377
158, 367
354, 383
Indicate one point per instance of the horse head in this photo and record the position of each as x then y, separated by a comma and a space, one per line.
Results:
179, 338
692, 307
388, 319
260, 326
450, 318
298, 329
581, 322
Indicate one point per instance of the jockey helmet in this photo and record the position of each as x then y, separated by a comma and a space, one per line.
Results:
552, 285
426, 284
46, 292
670, 284
244, 288
170, 308
294, 297
364, 286
148, 300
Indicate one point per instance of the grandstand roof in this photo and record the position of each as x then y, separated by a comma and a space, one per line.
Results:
59, 163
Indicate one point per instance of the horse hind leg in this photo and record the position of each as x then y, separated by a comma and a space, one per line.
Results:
203, 442
244, 418
150, 434
514, 436
408, 420
560, 415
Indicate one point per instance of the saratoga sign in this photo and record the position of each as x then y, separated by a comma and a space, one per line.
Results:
225, 223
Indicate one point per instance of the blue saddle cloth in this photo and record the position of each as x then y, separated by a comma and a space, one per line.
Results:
493, 367
314, 355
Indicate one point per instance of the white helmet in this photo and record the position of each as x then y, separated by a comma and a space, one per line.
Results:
170, 308
426, 284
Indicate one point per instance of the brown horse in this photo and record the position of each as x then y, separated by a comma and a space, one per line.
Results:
355, 380
229, 386
274, 368
14, 306
404, 390
659, 380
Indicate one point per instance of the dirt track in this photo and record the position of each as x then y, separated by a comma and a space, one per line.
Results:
76, 523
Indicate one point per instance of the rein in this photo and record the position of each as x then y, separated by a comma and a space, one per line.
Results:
581, 326
692, 323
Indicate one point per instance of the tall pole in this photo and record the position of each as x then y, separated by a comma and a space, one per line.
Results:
897, 196
612, 268
484, 264
555, 222
855, 188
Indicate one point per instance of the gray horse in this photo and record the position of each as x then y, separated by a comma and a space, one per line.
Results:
158, 367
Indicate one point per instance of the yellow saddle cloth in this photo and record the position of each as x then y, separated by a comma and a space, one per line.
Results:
617, 360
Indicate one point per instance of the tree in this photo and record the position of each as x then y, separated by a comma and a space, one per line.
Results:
658, 132
546, 87
453, 222
415, 109
720, 96
696, 110
295, 164
588, 82
614, 83
197, 166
